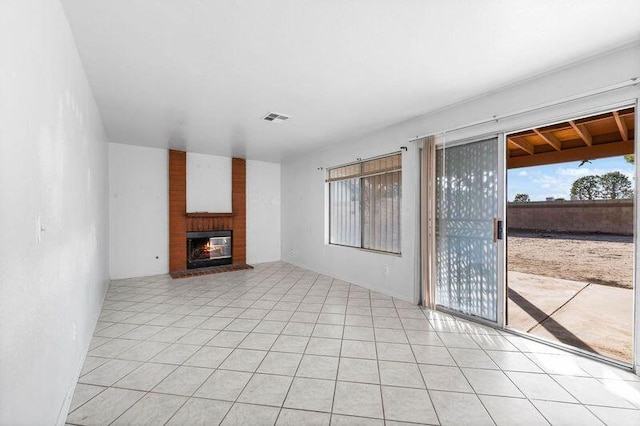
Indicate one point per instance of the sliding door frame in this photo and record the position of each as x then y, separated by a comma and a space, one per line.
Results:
428, 290
500, 249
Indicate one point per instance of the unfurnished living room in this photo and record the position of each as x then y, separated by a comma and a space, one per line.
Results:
319, 212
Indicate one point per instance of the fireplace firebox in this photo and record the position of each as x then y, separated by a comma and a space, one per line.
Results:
209, 248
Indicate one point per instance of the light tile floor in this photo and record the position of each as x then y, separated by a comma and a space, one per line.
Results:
284, 345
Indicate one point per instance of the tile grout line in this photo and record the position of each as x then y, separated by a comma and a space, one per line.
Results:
264, 290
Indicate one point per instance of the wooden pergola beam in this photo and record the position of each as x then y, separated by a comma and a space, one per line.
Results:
566, 125
613, 149
582, 131
523, 145
549, 139
622, 127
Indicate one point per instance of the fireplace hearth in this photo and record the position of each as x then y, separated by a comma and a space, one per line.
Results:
208, 248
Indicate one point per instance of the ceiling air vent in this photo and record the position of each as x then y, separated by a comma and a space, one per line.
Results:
274, 117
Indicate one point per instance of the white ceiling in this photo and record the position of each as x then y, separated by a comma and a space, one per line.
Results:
199, 74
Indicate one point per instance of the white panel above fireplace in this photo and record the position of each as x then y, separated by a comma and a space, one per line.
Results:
208, 183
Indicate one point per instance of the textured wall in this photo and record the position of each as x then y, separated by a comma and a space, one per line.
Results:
598, 216
54, 252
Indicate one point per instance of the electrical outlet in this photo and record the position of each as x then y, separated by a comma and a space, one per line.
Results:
75, 332
292, 252
385, 270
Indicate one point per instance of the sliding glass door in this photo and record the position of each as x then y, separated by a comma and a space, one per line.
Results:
467, 208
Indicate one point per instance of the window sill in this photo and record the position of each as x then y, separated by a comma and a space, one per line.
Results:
385, 253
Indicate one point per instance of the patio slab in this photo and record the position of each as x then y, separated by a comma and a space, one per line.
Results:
593, 317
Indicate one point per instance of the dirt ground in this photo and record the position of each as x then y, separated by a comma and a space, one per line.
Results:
596, 259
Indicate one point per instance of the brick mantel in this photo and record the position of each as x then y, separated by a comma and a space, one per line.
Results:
181, 222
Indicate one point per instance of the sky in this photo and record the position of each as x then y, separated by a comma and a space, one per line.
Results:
555, 180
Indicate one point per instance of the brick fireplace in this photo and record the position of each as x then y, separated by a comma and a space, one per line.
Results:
182, 223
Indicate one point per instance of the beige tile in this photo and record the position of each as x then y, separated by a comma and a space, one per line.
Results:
144, 351
590, 391
228, 339
358, 399
84, 393
280, 363
358, 370
318, 367
539, 386
293, 344
358, 349
616, 416
298, 329
400, 374
460, 409
200, 412
513, 361
152, 409
113, 348
340, 420
259, 341
445, 378
198, 336
408, 405
175, 354
224, 385
310, 394
145, 377
109, 373
388, 335
328, 330
265, 389
491, 382
289, 417
395, 352
105, 408
243, 360
208, 357
183, 381
251, 415
512, 411
561, 413
322, 346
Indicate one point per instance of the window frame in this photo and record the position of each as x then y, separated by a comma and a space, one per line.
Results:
361, 175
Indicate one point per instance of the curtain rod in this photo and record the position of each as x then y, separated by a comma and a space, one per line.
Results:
631, 82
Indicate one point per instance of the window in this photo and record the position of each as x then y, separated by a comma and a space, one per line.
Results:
364, 204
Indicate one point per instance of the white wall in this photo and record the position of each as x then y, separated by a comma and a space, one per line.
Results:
263, 212
138, 211
53, 166
208, 183
303, 188
303, 222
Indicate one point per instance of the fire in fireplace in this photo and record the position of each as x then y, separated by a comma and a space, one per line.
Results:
209, 248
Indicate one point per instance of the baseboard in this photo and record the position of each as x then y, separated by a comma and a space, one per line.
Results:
64, 410
368, 287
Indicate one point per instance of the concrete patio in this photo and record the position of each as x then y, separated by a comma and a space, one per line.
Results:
593, 317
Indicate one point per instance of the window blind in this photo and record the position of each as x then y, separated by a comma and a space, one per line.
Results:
364, 204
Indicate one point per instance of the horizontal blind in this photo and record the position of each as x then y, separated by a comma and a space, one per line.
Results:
364, 204
374, 166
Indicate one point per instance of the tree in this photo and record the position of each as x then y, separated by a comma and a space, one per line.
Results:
586, 188
630, 158
615, 185
521, 198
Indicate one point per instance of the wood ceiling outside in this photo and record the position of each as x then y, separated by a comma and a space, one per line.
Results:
605, 135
